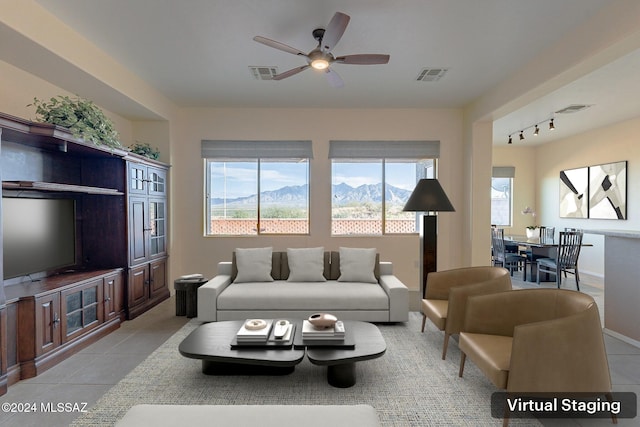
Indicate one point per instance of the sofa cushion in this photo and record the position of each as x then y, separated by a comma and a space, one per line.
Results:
253, 265
304, 265
357, 265
275, 266
335, 266
320, 296
284, 272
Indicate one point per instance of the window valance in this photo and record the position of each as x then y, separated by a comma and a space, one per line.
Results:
384, 149
226, 149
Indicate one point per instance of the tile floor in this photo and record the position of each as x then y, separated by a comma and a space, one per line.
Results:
85, 376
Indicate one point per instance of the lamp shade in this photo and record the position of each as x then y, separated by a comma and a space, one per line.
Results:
428, 196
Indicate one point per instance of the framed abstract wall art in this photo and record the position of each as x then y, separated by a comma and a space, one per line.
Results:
608, 191
574, 193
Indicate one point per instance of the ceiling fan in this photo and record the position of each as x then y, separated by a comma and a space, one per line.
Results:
321, 57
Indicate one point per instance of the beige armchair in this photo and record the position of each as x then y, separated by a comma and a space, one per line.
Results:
537, 341
447, 293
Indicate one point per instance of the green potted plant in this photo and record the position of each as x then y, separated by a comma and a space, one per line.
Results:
145, 149
82, 117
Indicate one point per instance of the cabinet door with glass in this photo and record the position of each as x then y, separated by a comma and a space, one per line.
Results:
138, 179
157, 227
82, 309
157, 179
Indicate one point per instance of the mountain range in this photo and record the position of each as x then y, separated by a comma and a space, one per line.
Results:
343, 194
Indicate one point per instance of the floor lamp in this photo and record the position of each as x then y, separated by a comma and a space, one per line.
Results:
428, 197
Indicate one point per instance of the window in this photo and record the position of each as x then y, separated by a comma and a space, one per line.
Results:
249, 191
502, 195
372, 181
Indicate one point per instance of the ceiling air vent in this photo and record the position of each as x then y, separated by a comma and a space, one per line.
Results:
431, 74
263, 73
574, 108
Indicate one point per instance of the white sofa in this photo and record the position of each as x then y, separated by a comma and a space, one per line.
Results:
223, 299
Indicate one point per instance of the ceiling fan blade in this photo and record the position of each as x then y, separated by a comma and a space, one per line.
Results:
334, 31
290, 73
363, 59
334, 78
278, 45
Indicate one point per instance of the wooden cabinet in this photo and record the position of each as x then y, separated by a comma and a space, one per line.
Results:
4, 342
59, 315
47, 327
81, 309
119, 244
147, 210
112, 296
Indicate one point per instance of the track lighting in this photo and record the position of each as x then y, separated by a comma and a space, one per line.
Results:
535, 127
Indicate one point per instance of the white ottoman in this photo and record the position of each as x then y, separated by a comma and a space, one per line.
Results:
250, 416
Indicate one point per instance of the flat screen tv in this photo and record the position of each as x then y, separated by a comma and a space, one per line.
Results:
39, 235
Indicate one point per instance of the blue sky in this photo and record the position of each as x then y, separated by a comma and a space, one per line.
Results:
241, 176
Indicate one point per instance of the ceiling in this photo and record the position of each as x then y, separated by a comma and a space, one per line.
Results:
198, 52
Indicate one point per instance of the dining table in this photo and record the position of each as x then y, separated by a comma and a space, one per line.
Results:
537, 249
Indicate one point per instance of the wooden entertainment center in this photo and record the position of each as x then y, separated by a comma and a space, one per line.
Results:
118, 266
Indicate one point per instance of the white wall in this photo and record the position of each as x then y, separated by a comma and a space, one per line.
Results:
612, 143
194, 253
179, 142
18, 89
524, 183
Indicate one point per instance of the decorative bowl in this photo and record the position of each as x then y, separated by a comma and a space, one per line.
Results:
322, 320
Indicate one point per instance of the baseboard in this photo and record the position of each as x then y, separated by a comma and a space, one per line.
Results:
621, 337
591, 273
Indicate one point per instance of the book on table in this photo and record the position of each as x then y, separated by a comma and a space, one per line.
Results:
245, 334
310, 332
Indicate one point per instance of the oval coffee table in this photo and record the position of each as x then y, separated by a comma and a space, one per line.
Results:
340, 362
211, 342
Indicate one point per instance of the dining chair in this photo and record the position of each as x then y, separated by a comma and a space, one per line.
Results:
509, 260
530, 255
547, 235
566, 259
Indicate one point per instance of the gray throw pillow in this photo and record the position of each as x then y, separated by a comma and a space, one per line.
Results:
357, 265
306, 264
254, 265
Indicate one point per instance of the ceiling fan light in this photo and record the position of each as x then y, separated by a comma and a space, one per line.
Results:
320, 64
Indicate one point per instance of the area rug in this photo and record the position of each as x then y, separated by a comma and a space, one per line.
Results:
409, 386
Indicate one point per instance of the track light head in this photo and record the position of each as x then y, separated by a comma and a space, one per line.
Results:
534, 126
